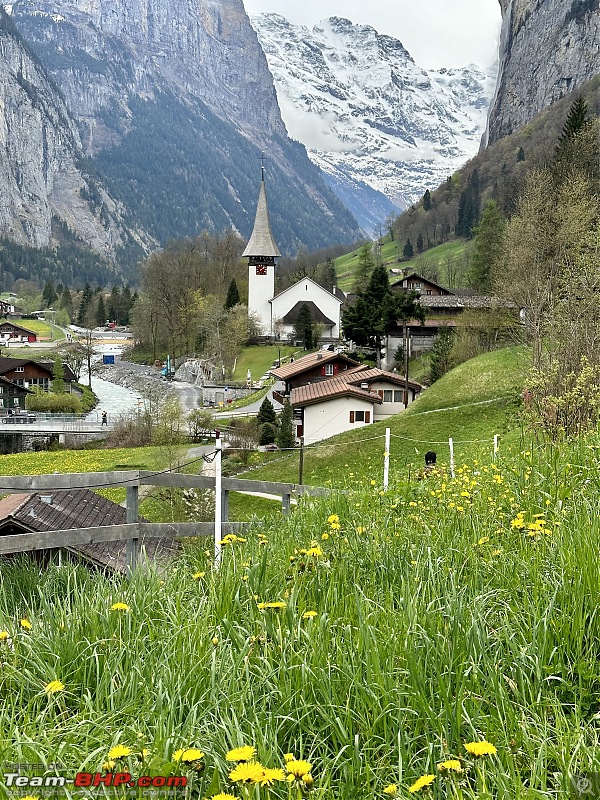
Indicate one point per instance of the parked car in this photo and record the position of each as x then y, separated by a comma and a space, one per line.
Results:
19, 415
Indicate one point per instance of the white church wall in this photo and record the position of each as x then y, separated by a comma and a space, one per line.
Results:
305, 291
260, 290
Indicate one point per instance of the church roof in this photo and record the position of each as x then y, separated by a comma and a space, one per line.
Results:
317, 315
261, 241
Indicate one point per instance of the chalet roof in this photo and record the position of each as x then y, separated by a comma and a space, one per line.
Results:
80, 508
12, 385
409, 275
372, 374
337, 295
463, 301
261, 241
308, 362
328, 390
317, 315
13, 325
6, 364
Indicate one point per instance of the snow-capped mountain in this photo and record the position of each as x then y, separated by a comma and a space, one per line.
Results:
381, 128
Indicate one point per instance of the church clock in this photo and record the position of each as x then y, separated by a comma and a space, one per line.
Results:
261, 269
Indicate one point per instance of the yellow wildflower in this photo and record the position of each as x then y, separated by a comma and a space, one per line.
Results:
244, 753
119, 607
309, 614
481, 748
333, 518
289, 757
250, 772
276, 604
421, 783
4, 636
25, 624
271, 775
325, 536
308, 779
391, 790
119, 751
108, 766
298, 768
215, 640
191, 754
483, 540
314, 551
223, 796
452, 765
53, 687
198, 575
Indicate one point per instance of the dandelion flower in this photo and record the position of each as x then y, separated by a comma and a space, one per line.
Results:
483, 540
108, 766
119, 751
298, 768
119, 607
421, 783
4, 636
308, 779
391, 790
270, 775
289, 757
53, 687
25, 624
247, 772
481, 748
452, 765
333, 518
223, 796
309, 614
314, 551
198, 575
241, 753
191, 754
215, 640
30, 797
276, 604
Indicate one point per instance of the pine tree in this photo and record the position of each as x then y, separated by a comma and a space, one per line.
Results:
267, 434
49, 295
469, 206
303, 329
114, 305
408, 250
100, 316
365, 267
488, 247
266, 413
233, 295
66, 302
577, 119
521, 154
285, 435
58, 376
420, 243
427, 200
84, 305
328, 277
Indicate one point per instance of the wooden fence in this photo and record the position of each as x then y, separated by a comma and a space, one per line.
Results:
133, 530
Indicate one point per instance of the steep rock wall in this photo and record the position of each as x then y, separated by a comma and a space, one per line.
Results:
548, 48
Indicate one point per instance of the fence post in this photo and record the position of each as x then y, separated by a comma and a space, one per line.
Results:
218, 499
133, 544
301, 461
386, 460
495, 446
451, 443
225, 505
286, 501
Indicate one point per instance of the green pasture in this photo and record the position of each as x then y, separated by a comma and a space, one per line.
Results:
259, 360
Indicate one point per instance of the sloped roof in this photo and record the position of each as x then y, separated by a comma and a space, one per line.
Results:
463, 301
261, 241
409, 275
80, 508
308, 362
329, 390
14, 325
10, 384
317, 315
337, 295
6, 364
372, 374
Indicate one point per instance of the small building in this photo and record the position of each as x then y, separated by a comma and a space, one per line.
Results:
412, 281
312, 368
74, 509
30, 374
11, 333
12, 396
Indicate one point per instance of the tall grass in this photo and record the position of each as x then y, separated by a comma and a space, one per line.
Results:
448, 611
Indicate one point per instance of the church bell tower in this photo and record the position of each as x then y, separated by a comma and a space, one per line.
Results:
261, 252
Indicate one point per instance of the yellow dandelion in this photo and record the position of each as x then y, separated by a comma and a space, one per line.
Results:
335, 526
333, 518
298, 768
481, 748
308, 779
4, 636
314, 551
452, 765
223, 796
391, 790
25, 624
119, 607
198, 575
421, 783
119, 751
189, 755
309, 614
483, 540
269, 776
247, 772
53, 687
30, 797
215, 640
289, 757
324, 536
275, 604
244, 753
108, 766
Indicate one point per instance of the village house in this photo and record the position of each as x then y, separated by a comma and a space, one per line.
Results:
311, 368
30, 374
12, 397
11, 333
42, 512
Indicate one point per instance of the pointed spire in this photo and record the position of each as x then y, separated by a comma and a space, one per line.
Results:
262, 242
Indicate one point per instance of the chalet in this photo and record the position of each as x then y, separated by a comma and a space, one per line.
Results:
354, 398
75, 509
11, 333
417, 283
29, 374
312, 368
12, 396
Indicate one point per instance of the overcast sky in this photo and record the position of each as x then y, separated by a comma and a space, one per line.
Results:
437, 33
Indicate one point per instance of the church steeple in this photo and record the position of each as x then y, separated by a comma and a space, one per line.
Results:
261, 241
261, 252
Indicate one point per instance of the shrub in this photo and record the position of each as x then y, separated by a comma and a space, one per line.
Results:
58, 403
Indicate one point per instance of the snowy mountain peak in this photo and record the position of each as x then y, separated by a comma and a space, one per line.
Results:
381, 128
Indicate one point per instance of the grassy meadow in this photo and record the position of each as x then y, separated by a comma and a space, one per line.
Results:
373, 635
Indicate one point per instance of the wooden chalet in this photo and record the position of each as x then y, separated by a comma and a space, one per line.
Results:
58, 510
11, 333
29, 373
312, 368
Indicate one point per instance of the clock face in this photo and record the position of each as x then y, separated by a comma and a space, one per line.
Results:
261, 269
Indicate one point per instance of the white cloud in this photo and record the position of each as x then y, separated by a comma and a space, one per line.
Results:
437, 33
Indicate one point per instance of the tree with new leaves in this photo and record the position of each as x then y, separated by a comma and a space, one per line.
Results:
285, 435
377, 311
233, 295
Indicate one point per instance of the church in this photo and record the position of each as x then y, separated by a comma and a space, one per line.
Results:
278, 313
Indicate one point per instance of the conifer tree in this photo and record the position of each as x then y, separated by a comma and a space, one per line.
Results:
266, 413
408, 250
427, 200
303, 329
49, 295
420, 243
100, 316
233, 295
285, 435
58, 375
488, 247
365, 267
84, 305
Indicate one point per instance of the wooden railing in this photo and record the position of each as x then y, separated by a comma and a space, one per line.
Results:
133, 530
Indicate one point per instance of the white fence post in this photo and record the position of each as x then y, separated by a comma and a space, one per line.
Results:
451, 443
218, 509
495, 446
386, 460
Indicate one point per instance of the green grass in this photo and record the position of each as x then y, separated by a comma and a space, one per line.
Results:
259, 360
44, 330
444, 614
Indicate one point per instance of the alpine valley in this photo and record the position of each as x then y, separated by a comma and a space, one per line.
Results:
380, 127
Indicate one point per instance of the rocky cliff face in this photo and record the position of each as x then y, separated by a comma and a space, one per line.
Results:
548, 48
41, 179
